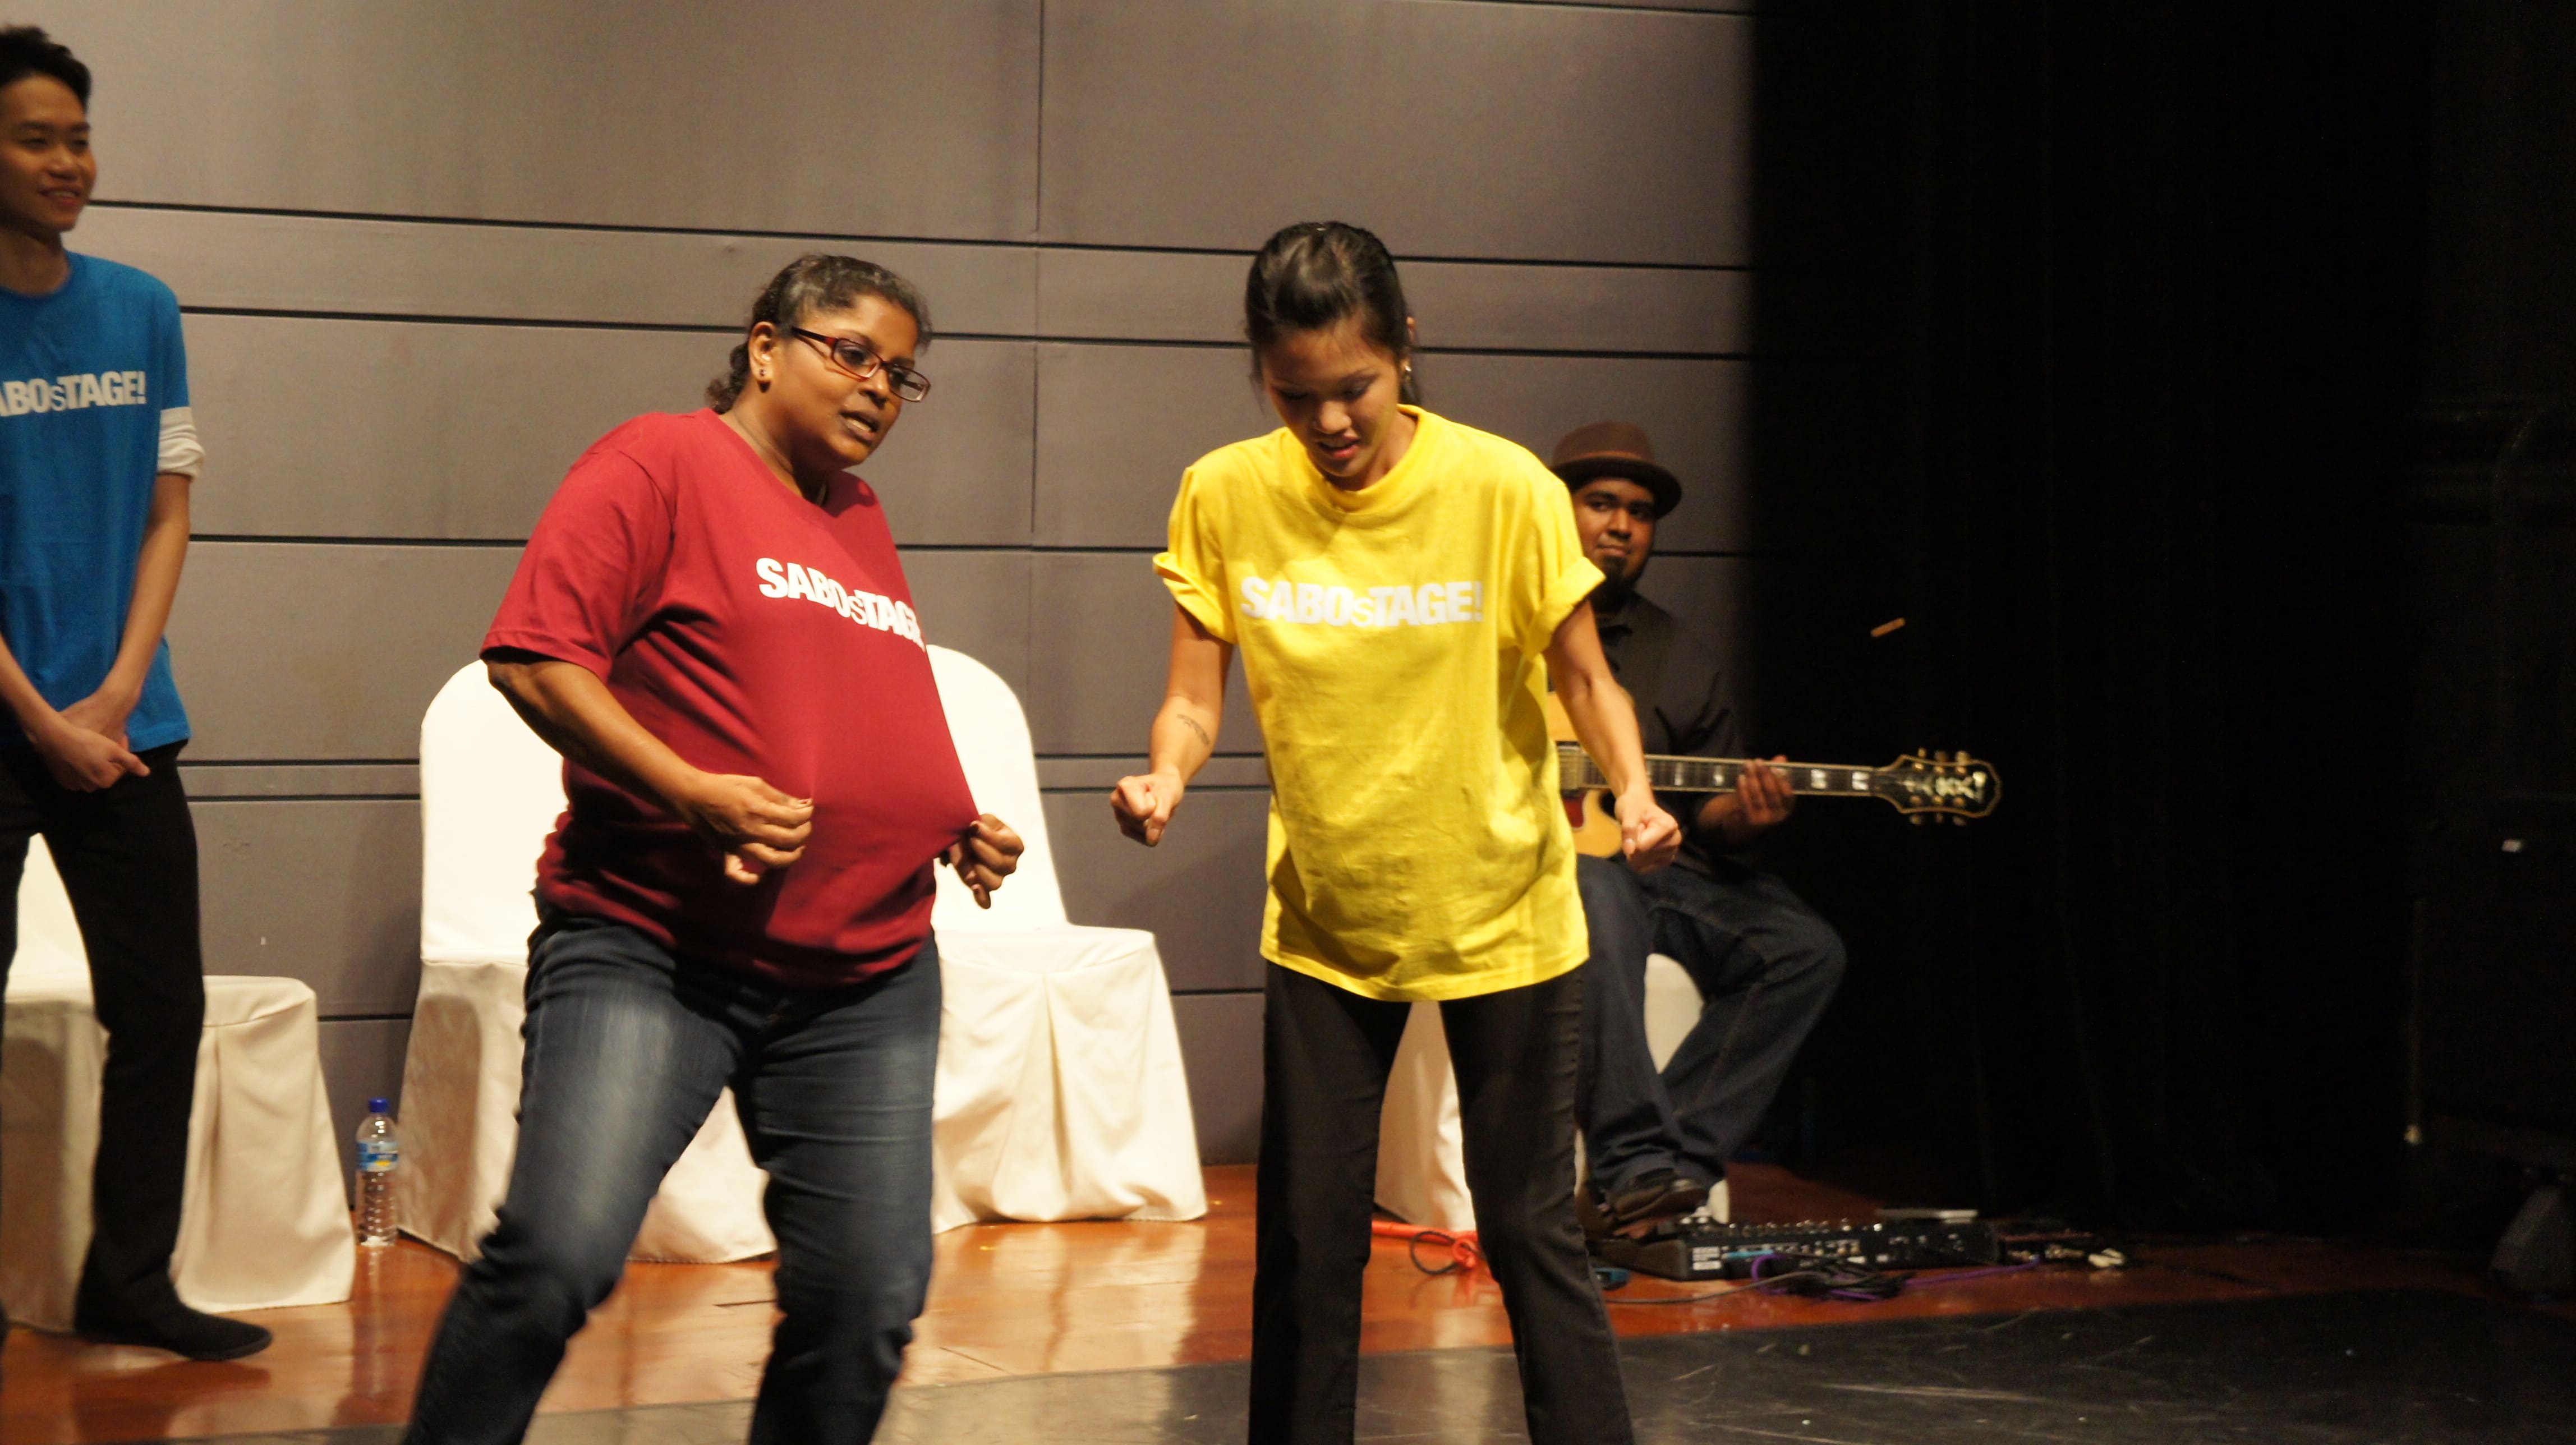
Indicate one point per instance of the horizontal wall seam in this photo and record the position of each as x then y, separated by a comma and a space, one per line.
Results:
209, 799
1049, 549
1746, 12
533, 323
304, 540
556, 323
193, 764
1033, 245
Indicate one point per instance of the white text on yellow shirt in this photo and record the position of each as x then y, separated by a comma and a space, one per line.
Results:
1312, 604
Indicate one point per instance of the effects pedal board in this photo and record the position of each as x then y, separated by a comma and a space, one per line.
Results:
1727, 1251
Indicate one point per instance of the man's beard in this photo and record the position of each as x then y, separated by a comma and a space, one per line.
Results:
1617, 587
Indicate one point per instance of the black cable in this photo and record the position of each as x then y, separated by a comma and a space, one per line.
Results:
1687, 1299
1413, 1251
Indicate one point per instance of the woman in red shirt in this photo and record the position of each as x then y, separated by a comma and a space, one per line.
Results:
711, 625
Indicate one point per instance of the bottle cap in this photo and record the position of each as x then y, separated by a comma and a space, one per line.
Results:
377, 1106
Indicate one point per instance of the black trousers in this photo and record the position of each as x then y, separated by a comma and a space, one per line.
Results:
1328, 1052
128, 857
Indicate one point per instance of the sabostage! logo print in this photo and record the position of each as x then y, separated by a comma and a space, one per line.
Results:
72, 393
868, 609
1312, 604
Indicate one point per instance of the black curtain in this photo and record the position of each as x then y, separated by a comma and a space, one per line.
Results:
2150, 274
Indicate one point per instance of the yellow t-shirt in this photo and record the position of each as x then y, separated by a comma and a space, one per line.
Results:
1393, 640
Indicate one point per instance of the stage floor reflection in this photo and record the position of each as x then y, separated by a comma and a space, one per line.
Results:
1098, 1332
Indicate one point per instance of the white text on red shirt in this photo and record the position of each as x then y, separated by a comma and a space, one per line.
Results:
869, 609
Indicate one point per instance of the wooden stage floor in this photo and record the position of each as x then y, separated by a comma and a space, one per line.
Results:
1023, 1299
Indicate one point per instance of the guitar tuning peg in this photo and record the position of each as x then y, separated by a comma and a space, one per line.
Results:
1915, 818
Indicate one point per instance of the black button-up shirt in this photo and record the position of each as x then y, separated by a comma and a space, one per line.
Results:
1682, 708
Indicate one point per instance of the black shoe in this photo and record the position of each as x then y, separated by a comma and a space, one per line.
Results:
182, 1331
1650, 1199
1591, 1212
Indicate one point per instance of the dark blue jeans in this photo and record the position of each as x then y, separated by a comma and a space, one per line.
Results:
1766, 966
627, 1049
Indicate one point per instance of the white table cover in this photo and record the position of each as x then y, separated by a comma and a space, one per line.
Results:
1061, 1094
263, 1222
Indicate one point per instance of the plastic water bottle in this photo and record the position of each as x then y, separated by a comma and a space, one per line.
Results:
379, 1155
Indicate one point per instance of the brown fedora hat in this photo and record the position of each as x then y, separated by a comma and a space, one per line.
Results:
1615, 449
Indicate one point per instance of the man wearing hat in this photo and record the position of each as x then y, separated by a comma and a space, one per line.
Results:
1765, 964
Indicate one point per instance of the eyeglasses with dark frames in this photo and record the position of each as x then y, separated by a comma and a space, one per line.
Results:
860, 363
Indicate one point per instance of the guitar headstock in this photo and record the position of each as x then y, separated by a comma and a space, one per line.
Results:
1940, 785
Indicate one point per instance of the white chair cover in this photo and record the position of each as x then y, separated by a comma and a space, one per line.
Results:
1060, 1093
263, 1221
490, 792
1421, 1166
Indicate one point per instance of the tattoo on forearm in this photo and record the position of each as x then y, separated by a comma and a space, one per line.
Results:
1192, 724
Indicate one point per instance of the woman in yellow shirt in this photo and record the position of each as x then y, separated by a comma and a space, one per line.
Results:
1402, 589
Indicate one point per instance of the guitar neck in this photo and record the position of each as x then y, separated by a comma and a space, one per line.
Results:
1575, 770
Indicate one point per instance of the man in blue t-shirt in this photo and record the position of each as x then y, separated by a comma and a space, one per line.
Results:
96, 455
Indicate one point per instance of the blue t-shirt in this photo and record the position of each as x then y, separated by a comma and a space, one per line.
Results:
85, 375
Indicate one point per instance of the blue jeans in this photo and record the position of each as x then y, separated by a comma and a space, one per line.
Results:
627, 1049
1765, 965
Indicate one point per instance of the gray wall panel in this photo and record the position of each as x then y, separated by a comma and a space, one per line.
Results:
1117, 425
361, 1059
1221, 1050
1100, 630
957, 468
413, 429
1469, 131
843, 117
977, 603
1143, 295
315, 652
299, 780
1693, 410
338, 265
328, 892
1200, 891
1162, 296
405, 429
1580, 308
1106, 473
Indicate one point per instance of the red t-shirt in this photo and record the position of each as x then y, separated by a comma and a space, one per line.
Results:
754, 632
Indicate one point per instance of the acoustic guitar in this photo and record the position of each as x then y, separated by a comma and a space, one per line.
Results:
1922, 786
